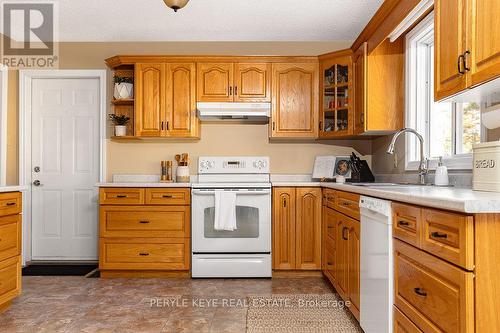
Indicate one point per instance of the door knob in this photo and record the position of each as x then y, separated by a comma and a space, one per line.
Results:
37, 183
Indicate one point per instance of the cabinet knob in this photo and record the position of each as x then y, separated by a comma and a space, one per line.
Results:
420, 292
436, 234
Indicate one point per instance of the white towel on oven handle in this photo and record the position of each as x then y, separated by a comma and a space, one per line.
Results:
225, 210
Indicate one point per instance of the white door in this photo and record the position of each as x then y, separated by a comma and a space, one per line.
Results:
65, 162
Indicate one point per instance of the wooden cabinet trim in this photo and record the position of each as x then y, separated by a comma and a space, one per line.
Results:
168, 196
10, 236
10, 203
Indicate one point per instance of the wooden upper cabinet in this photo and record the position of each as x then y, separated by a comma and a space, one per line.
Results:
308, 228
252, 82
467, 47
215, 82
484, 37
150, 99
181, 100
379, 88
295, 100
284, 228
360, 81
336, 91
449, 45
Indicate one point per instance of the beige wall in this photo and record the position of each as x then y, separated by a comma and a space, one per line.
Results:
217, 139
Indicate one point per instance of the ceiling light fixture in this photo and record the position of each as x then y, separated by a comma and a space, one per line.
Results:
176, 4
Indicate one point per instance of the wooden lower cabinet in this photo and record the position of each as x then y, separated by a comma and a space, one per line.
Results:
296, 228
435, 295
10, 247
402, 324
341, 251
151, 239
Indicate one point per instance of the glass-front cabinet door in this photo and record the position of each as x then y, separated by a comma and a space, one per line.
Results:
336, 95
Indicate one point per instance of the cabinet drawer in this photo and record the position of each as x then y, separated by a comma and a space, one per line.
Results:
144, 221
171, 196
449, 236
10, 203
347, 203
144, 253
435, 295
10, 278
406, 223
329, 198
10, 236
121, 196
402, 324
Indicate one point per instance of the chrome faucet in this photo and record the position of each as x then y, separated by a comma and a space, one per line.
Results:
423, 168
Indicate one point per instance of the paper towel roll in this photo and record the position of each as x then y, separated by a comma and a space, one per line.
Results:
491, 117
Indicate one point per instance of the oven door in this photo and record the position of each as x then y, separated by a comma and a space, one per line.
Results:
253, 221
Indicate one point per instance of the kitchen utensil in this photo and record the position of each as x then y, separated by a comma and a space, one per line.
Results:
178, 158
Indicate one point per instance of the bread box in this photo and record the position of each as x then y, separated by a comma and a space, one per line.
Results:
486, 166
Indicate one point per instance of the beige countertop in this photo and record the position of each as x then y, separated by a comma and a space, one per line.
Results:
12, 188
450, 198
136, 184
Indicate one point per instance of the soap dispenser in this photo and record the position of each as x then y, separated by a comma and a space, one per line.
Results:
441, 177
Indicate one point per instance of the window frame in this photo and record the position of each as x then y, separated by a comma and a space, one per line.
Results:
415, 84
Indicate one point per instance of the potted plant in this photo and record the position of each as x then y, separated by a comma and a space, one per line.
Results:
120, 122
124, 87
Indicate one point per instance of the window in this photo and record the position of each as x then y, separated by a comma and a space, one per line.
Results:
449, 129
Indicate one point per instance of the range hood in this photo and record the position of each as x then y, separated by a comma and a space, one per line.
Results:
251, 112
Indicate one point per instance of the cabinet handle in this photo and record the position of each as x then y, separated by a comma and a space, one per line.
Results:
436, 234
144, 222
420, 292
345, 203
329, 263
230, 91
144, 254
167, 196
403, 223
274, 126
320, 125
464, 61
11, 204
459, 63
121, 196
344, 237
284, 202
235, 90
329, 227
162, 125
168, 125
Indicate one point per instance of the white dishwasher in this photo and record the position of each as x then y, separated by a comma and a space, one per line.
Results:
377, 271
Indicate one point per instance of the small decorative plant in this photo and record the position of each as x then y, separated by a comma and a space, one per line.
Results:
124, 87
120, 122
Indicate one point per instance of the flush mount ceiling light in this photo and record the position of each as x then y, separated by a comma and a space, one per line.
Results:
176, 4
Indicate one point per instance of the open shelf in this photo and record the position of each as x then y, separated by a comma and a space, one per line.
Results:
122, 102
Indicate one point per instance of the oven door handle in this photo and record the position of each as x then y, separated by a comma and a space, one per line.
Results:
238, 192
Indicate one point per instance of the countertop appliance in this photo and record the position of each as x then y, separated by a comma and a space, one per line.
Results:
377, 271
246, 251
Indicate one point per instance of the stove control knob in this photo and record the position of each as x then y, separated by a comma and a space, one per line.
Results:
203, 164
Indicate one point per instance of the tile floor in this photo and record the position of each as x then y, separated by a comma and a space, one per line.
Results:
77, 304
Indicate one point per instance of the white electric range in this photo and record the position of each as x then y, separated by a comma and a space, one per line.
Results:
246, 251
